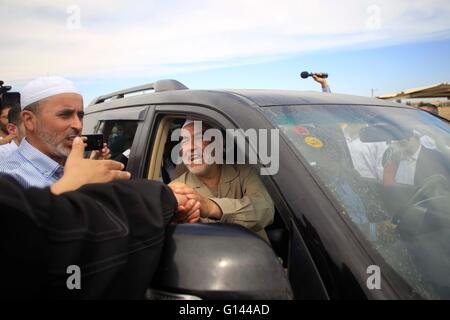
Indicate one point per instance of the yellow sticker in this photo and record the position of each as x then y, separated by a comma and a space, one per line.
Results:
314, 142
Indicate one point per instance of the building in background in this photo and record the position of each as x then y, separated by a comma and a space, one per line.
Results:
438, 94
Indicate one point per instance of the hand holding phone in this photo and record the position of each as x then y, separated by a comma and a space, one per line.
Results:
93, 141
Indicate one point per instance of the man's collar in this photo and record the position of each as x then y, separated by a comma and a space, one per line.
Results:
229, 173
43, 163
192, 180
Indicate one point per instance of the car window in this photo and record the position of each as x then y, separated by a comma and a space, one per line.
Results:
389, 169
167, 164
119, 134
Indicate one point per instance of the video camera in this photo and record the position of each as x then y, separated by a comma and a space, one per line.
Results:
8, 98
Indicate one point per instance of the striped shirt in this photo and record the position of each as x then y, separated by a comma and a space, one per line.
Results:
30, 167
7, 149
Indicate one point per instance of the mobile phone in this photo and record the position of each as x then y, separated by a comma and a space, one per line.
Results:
93, 141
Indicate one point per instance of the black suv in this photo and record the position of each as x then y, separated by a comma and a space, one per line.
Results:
340, 231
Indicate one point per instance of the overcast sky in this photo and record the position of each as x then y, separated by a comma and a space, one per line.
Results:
107, 44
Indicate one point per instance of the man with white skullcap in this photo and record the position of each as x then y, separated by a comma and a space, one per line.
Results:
52, 114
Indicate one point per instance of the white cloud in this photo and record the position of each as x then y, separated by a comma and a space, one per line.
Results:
153, 38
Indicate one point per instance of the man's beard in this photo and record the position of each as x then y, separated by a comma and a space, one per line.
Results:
199, 164
56, 144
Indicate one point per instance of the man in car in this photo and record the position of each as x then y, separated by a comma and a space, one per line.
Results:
226, 193
409, 161
52, 115
325, 153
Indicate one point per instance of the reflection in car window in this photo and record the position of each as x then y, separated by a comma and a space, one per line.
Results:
389, 168
119, 135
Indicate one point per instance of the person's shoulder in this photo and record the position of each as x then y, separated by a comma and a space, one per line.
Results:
431, 153
244, 170
11, 162
7, 149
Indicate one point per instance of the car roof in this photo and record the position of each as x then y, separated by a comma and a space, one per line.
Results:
266, 98
225, 97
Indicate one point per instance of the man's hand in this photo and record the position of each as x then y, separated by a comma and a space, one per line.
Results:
79, 171
208, 208
103, 154
188, 210
323, 81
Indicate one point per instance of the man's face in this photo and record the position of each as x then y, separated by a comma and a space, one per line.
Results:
58, 121
4, 119
192, 147
408, 146
18, 132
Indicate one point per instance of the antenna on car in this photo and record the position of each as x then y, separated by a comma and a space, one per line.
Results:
158, 86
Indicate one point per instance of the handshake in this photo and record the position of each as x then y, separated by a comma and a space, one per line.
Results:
192, 205
79, 171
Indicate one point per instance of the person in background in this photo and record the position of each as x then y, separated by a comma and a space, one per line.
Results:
429, 107
16, 131
323, 82
4, 136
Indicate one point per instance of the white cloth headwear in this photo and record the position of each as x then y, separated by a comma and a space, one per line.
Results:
187, 122
44, 87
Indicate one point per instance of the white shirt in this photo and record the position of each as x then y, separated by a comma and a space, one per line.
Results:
407, 169
428, 142
7, 149
366, 157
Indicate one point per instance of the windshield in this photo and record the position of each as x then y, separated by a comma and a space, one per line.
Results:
389, 168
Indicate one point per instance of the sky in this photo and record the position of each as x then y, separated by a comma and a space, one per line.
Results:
105, 45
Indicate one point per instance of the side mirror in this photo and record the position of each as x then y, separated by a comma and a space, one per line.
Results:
216, 261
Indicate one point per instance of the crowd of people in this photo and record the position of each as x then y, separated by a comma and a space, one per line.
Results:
60, 208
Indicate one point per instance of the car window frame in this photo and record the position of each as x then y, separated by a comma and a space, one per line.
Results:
310, 272
130, 113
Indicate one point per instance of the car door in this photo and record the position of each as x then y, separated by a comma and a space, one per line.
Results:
122, 130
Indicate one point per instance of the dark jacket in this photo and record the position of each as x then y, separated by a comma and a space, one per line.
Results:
114, 232
429, 163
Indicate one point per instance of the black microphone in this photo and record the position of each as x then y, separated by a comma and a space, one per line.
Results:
306, 74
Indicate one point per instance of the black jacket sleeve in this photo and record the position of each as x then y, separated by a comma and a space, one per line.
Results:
113, 232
